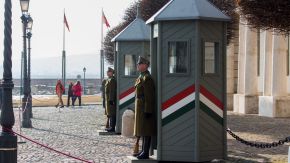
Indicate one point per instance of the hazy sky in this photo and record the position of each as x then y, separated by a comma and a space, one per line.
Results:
83, 16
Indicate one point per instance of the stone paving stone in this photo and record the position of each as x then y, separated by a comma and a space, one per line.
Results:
74, 131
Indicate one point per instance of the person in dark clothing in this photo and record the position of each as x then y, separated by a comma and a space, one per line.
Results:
69, 94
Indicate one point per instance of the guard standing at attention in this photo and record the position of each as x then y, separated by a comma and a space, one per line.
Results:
145, 121
110, 97
104, 101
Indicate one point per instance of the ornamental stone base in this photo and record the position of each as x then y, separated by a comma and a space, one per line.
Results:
274, 106
246, 104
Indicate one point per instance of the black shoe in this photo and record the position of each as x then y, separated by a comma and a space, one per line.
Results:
56, 106
61, 106
143, 156
111, 130
136, 154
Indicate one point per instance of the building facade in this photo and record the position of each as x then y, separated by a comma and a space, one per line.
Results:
258, 73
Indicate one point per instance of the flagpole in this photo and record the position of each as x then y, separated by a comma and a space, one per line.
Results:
63, 53
102, 47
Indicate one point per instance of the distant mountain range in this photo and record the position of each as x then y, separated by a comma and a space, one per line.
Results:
50, 67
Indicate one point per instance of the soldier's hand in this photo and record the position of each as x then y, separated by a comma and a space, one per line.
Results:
147, 115
112, 102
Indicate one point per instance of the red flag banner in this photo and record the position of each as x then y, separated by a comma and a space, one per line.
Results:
105, 21
65, 22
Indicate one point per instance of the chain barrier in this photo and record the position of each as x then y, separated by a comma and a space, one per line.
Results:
23, 110
47, 147
259, 145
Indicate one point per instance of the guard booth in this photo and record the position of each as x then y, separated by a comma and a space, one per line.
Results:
130, 43
188, 48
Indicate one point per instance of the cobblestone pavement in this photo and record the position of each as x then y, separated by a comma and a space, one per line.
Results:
73, 131
257, 129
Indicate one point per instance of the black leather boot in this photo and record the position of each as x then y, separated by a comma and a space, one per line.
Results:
110, 124
142, 149
145, 152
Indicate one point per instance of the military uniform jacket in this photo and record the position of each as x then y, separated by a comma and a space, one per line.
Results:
145, 104
110, 95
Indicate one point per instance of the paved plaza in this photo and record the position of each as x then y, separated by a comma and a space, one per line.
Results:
74, 131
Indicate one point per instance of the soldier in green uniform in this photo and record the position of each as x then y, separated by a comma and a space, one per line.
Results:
104, 100
110, 97
145, 121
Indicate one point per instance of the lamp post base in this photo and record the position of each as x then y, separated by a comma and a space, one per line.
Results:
30, 106
8, 148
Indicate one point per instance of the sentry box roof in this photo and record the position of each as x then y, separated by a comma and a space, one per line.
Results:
189, 10
135, 31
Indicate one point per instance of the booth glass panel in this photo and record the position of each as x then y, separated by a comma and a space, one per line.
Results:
178, 57
130, 65
210, 57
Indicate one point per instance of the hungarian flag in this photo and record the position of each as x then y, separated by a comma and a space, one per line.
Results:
65, 22
104, 20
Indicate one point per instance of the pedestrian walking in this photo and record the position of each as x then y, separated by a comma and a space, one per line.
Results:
77, 93
59, 89
69, 93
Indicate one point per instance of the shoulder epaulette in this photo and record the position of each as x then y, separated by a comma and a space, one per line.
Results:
146, 77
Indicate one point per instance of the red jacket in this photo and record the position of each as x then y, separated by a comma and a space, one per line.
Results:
59, 88
77, 90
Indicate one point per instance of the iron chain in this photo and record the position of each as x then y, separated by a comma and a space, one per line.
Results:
258, 145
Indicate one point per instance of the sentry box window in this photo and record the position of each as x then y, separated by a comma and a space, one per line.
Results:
130, 65
211, 50
178, 57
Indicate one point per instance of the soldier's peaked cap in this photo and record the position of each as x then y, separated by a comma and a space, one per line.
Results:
110, 69
142, 60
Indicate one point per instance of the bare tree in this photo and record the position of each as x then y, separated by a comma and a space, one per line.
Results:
228, 7
148, 9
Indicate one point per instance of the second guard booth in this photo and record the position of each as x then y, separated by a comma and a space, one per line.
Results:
130, 43
188, 64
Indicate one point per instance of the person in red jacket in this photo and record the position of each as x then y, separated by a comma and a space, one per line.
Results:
59, 89
77, 93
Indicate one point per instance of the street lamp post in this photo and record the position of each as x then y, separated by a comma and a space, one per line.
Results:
84, 69
29, 34
26, 122
8, 141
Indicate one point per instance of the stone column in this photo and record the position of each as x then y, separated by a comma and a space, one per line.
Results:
246, 100
230, 75
232, 70
275, 101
